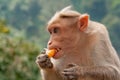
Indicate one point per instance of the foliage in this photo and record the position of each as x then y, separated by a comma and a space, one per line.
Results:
3, 28
17, 57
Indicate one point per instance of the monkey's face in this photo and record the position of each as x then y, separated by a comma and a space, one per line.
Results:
66, 34
63, 38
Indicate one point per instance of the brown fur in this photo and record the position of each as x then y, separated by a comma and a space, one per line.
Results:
89, 47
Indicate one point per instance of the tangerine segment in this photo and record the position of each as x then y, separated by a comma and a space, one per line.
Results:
51, 53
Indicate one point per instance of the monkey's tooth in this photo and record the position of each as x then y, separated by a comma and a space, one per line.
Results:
58, 49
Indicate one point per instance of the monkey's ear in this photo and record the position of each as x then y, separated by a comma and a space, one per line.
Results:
83, 22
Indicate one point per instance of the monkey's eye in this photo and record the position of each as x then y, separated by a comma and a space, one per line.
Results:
55, 30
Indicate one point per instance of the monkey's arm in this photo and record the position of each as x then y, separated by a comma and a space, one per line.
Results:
46, 66
94, 72
49, 74
103, 72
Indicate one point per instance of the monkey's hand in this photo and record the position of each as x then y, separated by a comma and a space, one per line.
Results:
71, 72
43, 61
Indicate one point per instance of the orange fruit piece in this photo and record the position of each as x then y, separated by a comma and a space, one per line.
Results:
51, 53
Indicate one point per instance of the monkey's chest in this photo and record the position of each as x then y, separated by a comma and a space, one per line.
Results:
62, 64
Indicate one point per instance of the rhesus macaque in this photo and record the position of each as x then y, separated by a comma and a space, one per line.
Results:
84, 50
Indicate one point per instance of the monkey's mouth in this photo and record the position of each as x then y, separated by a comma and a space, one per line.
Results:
58, 53
58, 49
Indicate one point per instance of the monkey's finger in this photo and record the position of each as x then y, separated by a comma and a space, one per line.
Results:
40, 64
68, 70
67, 73
43, 51
71, 65
42, 58
69, 76
36, 61
72, 69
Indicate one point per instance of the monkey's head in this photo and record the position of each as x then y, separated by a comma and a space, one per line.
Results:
67, 32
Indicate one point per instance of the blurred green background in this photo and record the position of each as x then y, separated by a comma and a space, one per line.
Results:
23, 33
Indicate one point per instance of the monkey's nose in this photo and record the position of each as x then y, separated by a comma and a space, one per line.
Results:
50, 42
